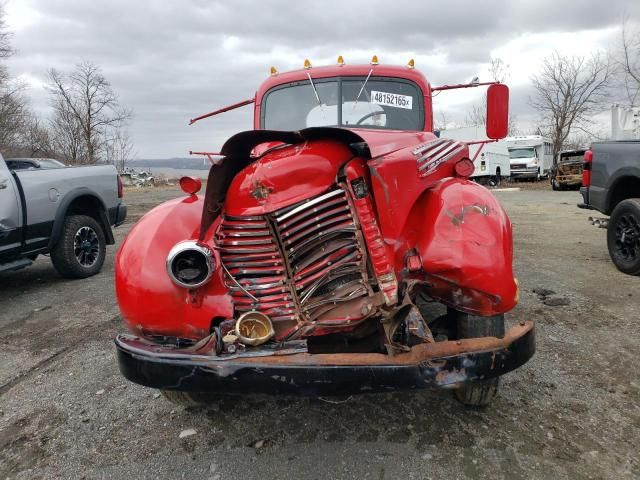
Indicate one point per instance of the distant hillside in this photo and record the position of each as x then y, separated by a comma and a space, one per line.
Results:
191, 163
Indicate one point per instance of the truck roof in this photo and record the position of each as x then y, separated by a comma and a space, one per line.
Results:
346, 71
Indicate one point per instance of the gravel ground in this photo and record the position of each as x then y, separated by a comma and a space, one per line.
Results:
572, 412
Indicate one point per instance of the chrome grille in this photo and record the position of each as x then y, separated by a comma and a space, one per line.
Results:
254, 269
320, 243
300, 262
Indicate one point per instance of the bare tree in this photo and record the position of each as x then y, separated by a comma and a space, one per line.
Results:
14, 112
627, 60
441, 121
5, 36
119, 148
67, 134
14, 115
568, 92
36, 140
85, 104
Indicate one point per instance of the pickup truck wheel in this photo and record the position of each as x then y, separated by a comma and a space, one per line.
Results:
81, 249
623, 236
479, 392
189, 399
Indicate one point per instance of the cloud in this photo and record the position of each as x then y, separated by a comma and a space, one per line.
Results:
170, 61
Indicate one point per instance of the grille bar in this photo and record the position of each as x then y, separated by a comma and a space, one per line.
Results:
296, 264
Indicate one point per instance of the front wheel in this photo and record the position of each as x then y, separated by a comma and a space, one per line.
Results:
496, 179
479, 392
81, 248
623, 236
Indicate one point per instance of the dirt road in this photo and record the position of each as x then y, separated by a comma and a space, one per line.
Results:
572, 412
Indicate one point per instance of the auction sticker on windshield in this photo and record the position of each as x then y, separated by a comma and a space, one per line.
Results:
392, 99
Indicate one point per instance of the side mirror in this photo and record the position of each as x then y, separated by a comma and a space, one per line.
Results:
497, 111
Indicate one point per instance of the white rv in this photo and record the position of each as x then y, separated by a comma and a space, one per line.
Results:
531, 156
492, 164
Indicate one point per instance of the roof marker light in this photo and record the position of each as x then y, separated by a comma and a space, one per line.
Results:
374, 60
274, 71
307, 63
340, 60
411, 64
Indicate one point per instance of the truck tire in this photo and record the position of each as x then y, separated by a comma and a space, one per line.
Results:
496, 179
189, 399
623, 236
81, 248
479, 393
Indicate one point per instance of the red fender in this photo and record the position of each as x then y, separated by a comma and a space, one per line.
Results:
466, 247
150, 302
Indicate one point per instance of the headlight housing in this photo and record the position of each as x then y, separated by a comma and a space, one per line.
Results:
190, 264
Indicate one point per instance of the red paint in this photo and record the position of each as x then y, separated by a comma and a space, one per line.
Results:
373, 236
416, 219
497, 111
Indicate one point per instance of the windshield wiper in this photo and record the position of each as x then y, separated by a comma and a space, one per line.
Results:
313, 85
362, 88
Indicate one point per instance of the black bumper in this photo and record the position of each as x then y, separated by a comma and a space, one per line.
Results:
433, 366
118, 214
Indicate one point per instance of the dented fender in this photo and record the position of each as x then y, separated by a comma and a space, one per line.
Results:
466, 247
150, 302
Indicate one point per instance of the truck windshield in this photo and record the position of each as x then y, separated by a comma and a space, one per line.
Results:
522, 153
383, 103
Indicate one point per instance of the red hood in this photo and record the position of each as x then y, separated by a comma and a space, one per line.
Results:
286, 176
269, 183
383, 142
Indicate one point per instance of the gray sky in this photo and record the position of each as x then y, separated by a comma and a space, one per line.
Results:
172, 60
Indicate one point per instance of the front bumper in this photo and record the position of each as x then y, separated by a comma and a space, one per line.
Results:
436, 365
531, 172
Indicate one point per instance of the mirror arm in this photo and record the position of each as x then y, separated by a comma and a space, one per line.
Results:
222, 110
463, 85
482, 143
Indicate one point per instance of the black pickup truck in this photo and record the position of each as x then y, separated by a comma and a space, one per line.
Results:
611, 185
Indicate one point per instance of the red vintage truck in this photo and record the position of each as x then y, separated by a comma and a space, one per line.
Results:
324, 237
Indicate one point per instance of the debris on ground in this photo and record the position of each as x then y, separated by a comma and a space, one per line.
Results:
187, 433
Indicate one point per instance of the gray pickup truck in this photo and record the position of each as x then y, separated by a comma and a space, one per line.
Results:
611, 185
65, 212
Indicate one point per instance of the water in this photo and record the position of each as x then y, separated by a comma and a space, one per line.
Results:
178, 172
